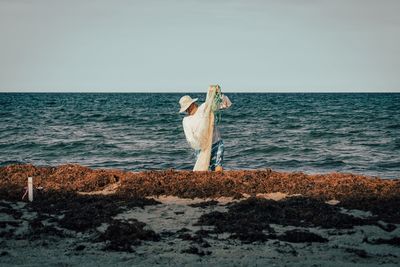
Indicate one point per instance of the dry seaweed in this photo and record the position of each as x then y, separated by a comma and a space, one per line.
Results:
301, 236
249, 219
83, 212
340, 186
122, 235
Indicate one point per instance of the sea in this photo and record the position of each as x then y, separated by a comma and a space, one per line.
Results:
297, 132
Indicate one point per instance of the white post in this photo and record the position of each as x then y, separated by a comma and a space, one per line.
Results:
30, 189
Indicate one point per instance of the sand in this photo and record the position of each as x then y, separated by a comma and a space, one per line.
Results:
169, 218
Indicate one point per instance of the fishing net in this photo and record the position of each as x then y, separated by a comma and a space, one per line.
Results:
207, 127
216, 104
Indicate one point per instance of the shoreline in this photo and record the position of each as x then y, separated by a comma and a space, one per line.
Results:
73, 177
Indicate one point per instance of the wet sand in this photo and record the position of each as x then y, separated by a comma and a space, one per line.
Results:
235, 218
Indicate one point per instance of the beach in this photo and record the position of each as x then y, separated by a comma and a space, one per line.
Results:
260, 217
112, 111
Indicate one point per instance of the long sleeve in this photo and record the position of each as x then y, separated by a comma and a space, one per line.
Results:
196, 128
193, 140
226, 102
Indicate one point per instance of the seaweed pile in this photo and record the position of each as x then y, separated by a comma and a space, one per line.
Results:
250, 219
63, 215
188, 184
62, 211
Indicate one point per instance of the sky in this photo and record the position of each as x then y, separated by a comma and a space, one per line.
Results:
183, 46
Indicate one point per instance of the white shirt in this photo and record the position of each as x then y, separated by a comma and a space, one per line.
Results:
192, 122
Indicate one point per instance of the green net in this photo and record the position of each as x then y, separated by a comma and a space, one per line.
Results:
216, 104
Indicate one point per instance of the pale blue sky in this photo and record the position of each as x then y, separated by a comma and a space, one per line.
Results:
286, 45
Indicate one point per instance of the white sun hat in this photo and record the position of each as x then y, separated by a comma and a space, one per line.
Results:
185, 102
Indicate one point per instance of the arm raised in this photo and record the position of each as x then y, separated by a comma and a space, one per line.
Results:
226, 102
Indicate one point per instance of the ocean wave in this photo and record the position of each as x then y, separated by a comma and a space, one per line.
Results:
317, 132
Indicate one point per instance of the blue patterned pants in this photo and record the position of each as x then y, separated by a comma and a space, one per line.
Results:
217, 154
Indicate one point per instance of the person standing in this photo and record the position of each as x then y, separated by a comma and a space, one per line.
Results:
191, 126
